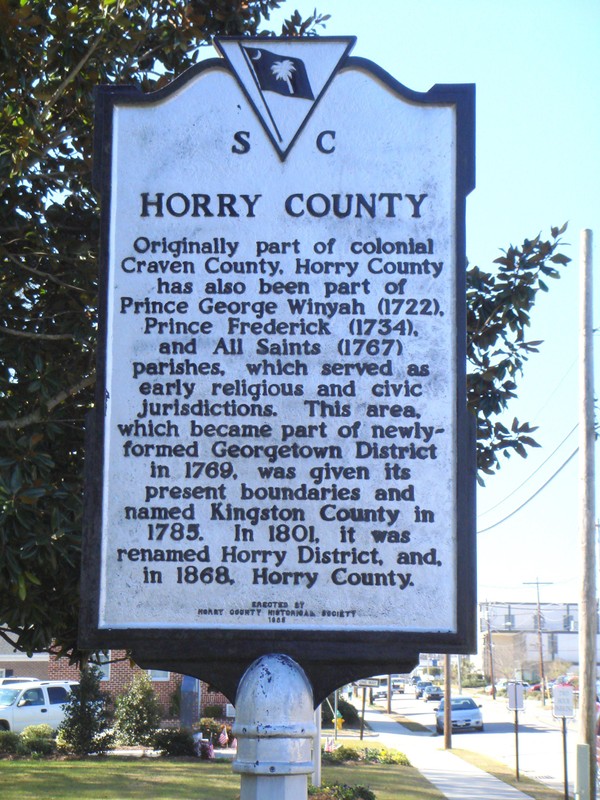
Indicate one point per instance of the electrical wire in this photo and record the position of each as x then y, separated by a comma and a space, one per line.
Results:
529, 499
529, 477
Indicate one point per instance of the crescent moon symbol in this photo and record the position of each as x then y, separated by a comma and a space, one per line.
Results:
258, 55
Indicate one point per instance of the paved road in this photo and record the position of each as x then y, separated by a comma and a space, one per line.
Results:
540, 737
454, 777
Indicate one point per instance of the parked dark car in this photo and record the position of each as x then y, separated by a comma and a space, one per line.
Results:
433, 693
420, 688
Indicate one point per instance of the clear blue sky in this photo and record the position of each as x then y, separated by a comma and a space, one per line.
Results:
536, 65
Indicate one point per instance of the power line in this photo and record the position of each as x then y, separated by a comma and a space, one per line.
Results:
529, 477
535, 494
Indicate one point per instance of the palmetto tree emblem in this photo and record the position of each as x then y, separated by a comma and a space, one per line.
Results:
273, 72
283, 71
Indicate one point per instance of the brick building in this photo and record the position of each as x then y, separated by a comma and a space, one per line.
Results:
118, 673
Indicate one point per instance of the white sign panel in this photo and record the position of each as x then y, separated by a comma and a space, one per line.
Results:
563, 701
515, 695
280, 376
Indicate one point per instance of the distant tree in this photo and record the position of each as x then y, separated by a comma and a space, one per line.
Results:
137, 712
53, 54
85, 727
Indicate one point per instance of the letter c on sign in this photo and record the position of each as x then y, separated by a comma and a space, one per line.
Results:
320, 144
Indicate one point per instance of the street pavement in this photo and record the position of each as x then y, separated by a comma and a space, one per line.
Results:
454, 777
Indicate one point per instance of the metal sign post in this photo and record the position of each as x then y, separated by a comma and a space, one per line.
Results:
563, 707
516, 703
280, 458
367, 683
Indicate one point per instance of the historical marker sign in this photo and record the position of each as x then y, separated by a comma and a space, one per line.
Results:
283, 456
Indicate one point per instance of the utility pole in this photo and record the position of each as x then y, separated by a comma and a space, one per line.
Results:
537, 584
588, 610
447, 702
459, 673
490, 650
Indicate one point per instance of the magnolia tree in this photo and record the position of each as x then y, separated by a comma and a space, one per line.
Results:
54, 52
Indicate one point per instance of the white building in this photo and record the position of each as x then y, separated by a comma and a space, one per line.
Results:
512, 634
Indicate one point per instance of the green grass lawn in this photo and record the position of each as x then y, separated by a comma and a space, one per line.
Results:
159, 779
538, 791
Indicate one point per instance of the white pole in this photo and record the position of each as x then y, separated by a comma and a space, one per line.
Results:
275, 730
588, 613
316, 777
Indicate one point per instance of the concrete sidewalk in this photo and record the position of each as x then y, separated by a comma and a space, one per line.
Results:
454, 777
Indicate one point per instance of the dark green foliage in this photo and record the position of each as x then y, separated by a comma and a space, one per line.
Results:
210, 728
137, 713
85, 727
349, 713
338, 791
369, 755
41, 731
499, 306
9, 742
36, 746
174, 742
36, 740
214, 711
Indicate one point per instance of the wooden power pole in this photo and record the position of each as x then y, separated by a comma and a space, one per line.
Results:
588, 609
540, 635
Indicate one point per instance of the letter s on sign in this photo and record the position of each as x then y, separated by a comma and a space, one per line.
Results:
320, 143
242, 138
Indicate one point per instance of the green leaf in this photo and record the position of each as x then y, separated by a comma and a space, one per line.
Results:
21, 587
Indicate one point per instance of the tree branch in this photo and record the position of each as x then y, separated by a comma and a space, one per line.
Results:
40, 273
50, 337
36, 416
71, 76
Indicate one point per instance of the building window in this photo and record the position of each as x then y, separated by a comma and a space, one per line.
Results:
158, 674
103, 665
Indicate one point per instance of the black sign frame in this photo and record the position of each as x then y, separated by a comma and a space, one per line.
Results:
330, 659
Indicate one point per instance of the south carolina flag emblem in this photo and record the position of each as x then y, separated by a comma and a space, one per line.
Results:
282, 74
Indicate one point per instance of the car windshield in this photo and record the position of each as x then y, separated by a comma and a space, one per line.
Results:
463, 702
8, 696
459, 704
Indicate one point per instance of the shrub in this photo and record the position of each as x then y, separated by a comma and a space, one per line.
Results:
36, 740
209, 728
137, 713
9, 742
41, 731
36, 745
349, 713
174, 742
84, 729
370, 755
338, 791
341, 754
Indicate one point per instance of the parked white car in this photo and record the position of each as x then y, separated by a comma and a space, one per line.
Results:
33, 703
16, 679
464, 713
